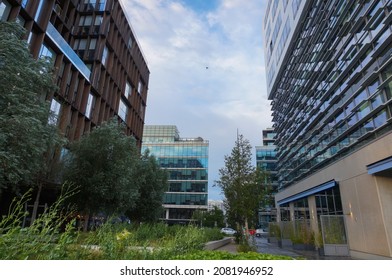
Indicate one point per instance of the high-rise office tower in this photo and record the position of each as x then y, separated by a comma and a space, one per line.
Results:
186, 161
99, 67
329, 76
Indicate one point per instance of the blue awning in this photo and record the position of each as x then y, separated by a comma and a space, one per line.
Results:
311, 191
382, 167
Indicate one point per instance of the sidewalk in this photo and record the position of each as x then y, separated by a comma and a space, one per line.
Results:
263, 246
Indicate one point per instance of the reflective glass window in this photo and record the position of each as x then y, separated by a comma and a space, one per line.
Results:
363, 110
55, 108
381, 118
105, 55
90, 105
122, 110
128, 89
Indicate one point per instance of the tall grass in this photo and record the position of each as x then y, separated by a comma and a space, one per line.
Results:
53, 236
43, 239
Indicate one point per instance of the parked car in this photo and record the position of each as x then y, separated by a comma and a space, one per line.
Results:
261, 232
228, 231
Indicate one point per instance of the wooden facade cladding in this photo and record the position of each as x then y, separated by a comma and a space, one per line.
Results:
96, 56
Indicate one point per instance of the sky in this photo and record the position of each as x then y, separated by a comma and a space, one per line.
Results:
207, 73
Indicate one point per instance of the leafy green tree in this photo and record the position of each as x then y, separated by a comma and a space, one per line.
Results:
27, 140
214, 218
148, 207
241, 184
211, 218
104, 163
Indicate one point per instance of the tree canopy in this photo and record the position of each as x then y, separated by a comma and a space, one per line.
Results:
241, 184
104, 164
153, 183
25, 134
113, 177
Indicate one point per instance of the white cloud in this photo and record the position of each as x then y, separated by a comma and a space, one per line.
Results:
212, 103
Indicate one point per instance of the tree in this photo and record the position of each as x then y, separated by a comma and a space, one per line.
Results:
211, 218
241, 183
154, 182
104, 163
26, 138
215, 218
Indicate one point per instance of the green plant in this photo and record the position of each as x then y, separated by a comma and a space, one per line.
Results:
43, 239
212, 234
302, 234
222, 255
318, 240
334, 231
274, 231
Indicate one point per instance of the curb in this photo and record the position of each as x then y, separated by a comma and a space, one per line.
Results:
213, 245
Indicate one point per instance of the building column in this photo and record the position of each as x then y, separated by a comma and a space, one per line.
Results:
292, 215
313, 214
167, 214
278, 218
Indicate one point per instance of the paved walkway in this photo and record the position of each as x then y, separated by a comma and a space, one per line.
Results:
263, 246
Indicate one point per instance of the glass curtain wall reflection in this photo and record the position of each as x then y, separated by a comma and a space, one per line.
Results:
186, 161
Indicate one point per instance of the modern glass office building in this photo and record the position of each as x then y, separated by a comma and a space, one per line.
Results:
186, 161
266, 160
329, 76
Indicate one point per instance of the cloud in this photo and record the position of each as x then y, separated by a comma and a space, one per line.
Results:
207, 71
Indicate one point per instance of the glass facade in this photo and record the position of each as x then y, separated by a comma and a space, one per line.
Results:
266, 161
332, 94
186, 160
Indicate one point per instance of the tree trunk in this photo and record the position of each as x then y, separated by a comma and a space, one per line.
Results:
36, 204
86, 218
246, 229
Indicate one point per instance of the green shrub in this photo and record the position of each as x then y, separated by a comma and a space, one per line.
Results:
212, 234
222, 255
47, 239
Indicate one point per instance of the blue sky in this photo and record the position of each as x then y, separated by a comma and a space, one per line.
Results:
201, 6
179, 39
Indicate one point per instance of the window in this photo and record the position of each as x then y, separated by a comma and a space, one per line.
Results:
101, 5
5, 9
130, 41
295, 5
122, 110
90, 105
55, 107
105, 55
29, 38
360, 97
363, 110
24, 3
373, 87
80, 44
39, 9
19, 19
380, 119
93, 44
140, 87
128, 90
46, 53
98, 20
85, 20
378, 100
